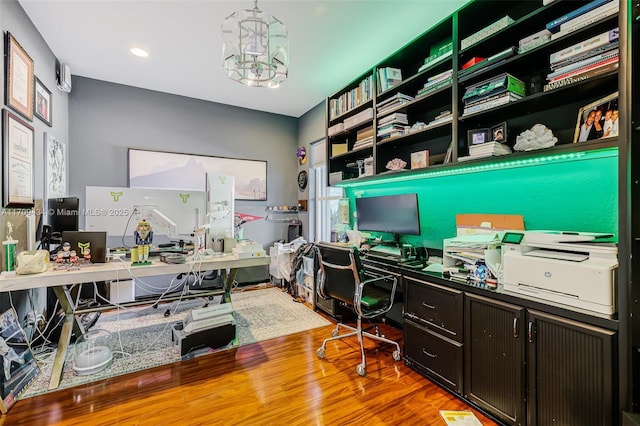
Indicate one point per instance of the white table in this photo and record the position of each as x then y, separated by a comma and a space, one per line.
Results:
61, 281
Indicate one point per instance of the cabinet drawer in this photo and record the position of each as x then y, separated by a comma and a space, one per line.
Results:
436, 355
437, 307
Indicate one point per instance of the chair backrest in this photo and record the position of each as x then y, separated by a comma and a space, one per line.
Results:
342, 271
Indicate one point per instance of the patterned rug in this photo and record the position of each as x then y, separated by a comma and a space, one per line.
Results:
141, 337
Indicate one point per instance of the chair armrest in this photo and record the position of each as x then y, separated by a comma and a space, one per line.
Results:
360, 291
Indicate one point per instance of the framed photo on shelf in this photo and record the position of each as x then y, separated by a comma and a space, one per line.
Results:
42, 107
17, 150
478, 136
598, 120
19, 367
18, 78
499, 132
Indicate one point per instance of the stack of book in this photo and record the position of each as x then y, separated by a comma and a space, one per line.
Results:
393, 125
351, 99
534, 40
364, 138
388, 77
587, 14
392, 103
443, 117
589, 58
487, 149
437, 53
436, 82
492, 93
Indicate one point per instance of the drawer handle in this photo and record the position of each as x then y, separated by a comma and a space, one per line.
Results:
426, 305
515, 328
424, 351
530, 332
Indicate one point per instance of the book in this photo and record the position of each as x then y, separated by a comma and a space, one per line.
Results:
576, 78
498, 56
604, 13
389, 77
585, 55
497, 101
589, 16
586, 68
420, 159
554, 26
583, 63
496, 85
364, 133
434, 59
591, 43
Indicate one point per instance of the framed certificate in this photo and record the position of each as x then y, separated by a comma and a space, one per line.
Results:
17, 149
18, 78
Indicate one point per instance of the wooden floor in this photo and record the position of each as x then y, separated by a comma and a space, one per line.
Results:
276, 382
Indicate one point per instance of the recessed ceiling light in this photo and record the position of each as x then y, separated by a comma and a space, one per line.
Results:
139, 52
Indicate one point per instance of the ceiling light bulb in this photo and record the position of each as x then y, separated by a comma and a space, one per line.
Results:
137, 51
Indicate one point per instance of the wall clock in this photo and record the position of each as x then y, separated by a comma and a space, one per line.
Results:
302, 180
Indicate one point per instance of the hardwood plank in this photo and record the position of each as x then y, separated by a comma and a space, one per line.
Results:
276, 382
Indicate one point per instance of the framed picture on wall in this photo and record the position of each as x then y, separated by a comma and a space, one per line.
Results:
42, 107
17, 150
171, 170
18, 78
55, 167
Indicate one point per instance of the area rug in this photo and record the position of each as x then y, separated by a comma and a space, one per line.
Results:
141, 337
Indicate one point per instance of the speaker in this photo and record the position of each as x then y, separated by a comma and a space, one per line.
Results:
63, 76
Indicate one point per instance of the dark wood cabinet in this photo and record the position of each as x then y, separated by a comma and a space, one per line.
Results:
433, 331
570, 372
495, 357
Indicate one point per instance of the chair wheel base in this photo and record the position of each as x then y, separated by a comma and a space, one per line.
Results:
396, 355
334, 332
320, 353
361, 370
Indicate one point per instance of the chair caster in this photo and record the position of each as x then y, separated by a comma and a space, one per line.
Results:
361, 370
334, 332
167, 312
320, 353
396, 355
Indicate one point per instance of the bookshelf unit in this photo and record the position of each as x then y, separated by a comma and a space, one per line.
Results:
557, 108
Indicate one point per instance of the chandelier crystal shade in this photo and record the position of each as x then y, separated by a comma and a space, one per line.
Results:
255, 48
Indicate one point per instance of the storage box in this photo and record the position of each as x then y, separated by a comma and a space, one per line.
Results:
359, 118
335, 129
339, 148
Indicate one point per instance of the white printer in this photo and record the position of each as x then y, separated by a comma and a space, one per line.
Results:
568, 268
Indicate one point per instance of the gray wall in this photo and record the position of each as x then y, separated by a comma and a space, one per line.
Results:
14, 20
106, 119
311, 127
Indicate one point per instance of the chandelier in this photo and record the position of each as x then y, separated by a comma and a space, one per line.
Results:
255, 48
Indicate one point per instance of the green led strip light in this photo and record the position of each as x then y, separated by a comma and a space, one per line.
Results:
495, 165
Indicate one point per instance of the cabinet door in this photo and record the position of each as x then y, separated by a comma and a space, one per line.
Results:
570, 372
494, 358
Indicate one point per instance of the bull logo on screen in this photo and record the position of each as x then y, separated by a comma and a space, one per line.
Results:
85, 251
116, 195
185, 197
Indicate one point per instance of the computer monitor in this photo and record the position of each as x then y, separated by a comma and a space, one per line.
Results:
62, 214
117, 210
395, 214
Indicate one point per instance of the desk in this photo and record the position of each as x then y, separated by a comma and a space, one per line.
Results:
60, 280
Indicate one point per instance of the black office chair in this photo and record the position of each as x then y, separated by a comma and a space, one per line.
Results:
342, 277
